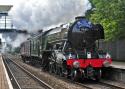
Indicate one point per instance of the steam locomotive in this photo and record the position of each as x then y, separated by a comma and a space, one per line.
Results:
71, 51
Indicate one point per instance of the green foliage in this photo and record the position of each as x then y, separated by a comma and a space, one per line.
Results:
111, 14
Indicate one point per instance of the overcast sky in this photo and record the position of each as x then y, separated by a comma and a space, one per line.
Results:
8, 2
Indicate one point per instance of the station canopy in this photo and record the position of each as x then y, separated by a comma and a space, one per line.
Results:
5, 8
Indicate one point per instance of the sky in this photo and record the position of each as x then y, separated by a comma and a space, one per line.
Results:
8, 2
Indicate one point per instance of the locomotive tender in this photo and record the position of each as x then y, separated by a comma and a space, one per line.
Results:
69, 51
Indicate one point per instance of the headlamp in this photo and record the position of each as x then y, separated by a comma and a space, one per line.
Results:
106, 63
76, 64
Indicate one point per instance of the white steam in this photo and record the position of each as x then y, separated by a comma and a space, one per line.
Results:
33, 15
16, 42
10, 41
38, 14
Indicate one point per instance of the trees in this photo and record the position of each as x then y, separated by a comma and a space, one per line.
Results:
111, 14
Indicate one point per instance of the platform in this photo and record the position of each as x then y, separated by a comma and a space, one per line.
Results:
119, 65
4, 78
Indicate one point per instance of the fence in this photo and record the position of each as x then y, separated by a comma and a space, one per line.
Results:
115, 48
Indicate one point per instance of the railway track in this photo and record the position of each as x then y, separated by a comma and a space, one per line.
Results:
100, 85
89, 84
112, 85
23, 78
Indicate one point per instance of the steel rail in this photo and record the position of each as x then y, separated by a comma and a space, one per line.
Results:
42, 83
11, 76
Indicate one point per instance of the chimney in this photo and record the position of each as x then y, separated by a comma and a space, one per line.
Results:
80, 17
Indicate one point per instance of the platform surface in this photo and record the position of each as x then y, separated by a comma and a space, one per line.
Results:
4, 79
119, 65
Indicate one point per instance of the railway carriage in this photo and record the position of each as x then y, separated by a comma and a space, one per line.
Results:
69, 51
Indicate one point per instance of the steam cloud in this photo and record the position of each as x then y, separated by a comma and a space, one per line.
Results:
33, 15
16, 42
12, 40
40, 14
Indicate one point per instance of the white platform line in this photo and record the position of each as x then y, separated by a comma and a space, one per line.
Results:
7, 77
